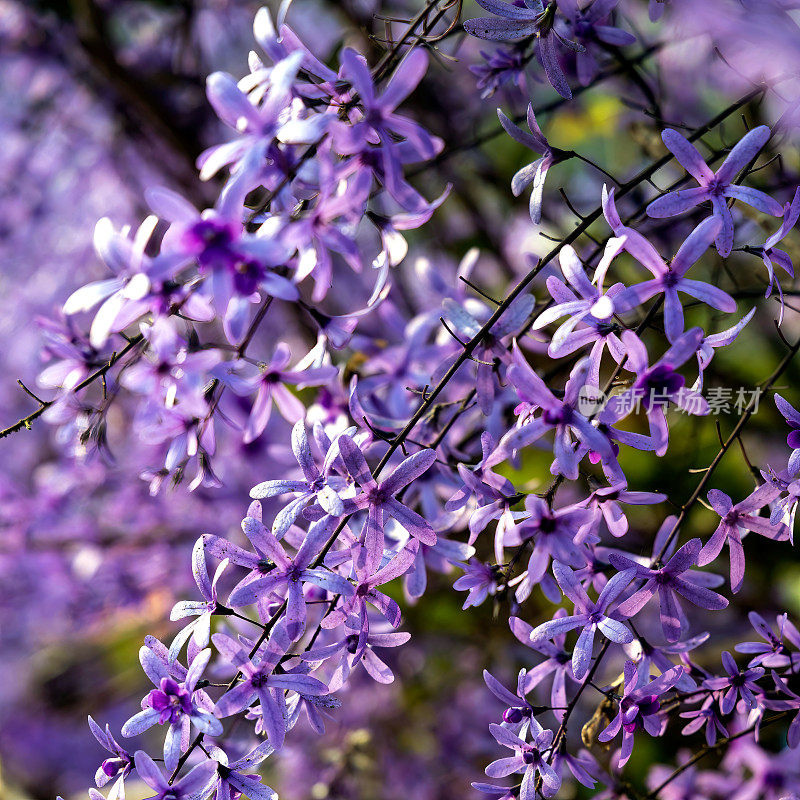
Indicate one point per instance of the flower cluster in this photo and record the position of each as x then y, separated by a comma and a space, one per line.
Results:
444, 431
317, 158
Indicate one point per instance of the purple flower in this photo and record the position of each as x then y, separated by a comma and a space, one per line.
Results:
772, 255
378, 498
792, 417
191, 786
492, 348
441, 557
784, 508
655, 9
791, 703
140, 286
353, 610
316, 710
174, 704
484, 487
67, 350
773, 651
319, 486
590, 616
281, 43
590, 311
668, 581
591, 34
759, 774
259, 126
583, 767
737, 518
376, 121
667, 279
170, 371
738, 684
649, 656
713, 341
268, 382
639, 708
190, 440
204, 610
558, 661
416, 209
705, 716
289, 574
328, 226
495, 792
519, 712
561, 416
534, 173
236, 264
553, 533
119, 765
715, 187
604, 503
533, 19
527, 759
259, 681
258, 561
657, 385
231, 780
479, 580
501, 67
352, 651
605, 419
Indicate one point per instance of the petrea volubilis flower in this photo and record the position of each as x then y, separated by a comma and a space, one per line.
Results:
119, 766
668, 581
735, 521
639, 708
658, 384
527, 759
174, 704
290, 574
260, 682
378, 498
535, 173
737, 683
590, 616
668, 279
560, 415
321, 487
533, 19
590, 310
715, 187
588, 24
191, 786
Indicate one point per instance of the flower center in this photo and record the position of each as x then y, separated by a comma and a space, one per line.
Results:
659, 382
258, 680
558, 416
530, 756
171, 700
377, 496
547, 524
